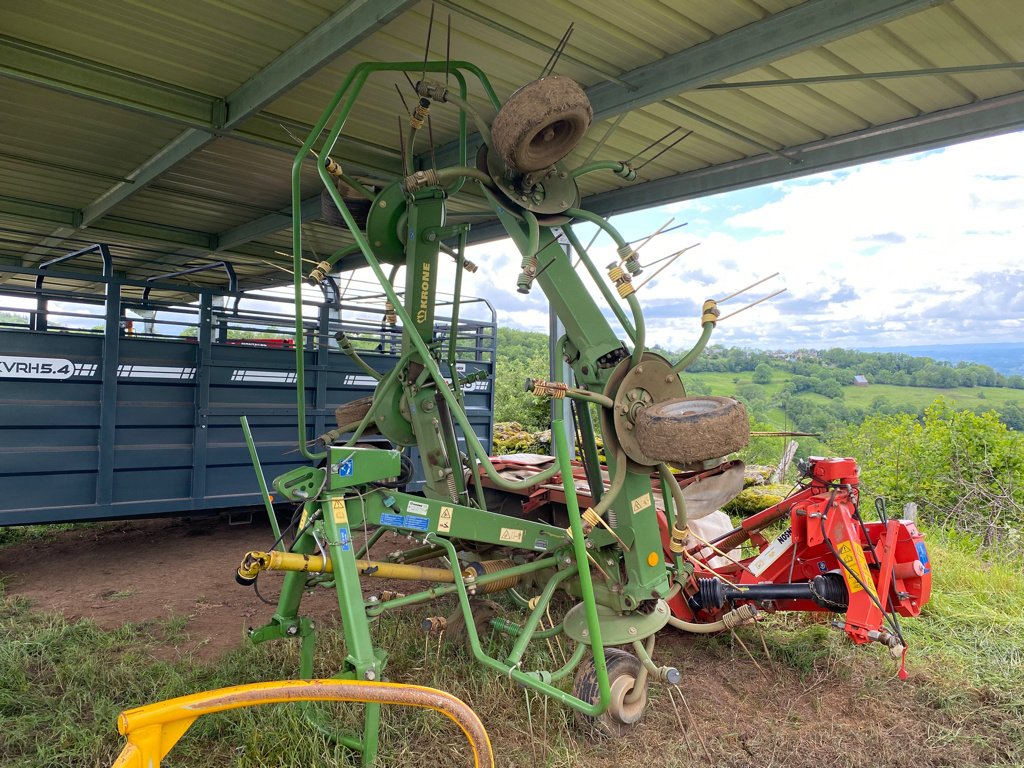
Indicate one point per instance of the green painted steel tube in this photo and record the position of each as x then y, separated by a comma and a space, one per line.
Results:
447, 589
677, 494
692, 355
354, 80
641, 329
571, 664
589, 397
264, 493
618, 481
374, 538
616, 167
523, 678
431, 368
670, 519
530, 627
346, 347
455, 172
478, 120
586, 581
600, 282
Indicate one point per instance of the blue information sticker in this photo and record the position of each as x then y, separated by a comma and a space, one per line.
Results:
343, 539
395, 521
346, 467
417, 522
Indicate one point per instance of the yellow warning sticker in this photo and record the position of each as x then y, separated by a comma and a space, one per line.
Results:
641, 503
512, 535
853, 558
444, 522
340, 513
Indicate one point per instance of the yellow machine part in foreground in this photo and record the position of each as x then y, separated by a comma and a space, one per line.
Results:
153, 730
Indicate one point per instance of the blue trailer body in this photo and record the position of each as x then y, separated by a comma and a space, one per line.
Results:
130, 418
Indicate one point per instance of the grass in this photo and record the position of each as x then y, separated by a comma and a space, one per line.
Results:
823, 702
724, 384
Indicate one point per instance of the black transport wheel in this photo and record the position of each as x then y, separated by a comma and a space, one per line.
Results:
692, 429
623, 672
541, 123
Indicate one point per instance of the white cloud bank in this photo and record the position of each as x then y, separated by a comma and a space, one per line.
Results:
917, 250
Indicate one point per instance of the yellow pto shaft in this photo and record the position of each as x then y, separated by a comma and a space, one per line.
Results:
254, 562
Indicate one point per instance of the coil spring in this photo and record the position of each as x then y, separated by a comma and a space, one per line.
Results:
493, 566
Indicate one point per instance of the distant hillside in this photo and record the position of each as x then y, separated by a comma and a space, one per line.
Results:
1007, 358
810, 390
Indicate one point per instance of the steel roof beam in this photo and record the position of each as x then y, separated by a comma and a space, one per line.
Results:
812, 23
186, 243
204, 115
87, 79
339, 33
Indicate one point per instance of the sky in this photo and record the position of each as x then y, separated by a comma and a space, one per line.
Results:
922, 249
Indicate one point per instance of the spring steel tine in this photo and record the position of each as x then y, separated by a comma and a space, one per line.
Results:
448, 50
744, 290
556, 54
592, 240
430, 138
663, 232
607, 135
401, 140
402, 97
654, 234
669, 259
426, 49
753, 304
654, 143
666, 149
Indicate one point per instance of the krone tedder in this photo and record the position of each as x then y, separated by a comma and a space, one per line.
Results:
636, 541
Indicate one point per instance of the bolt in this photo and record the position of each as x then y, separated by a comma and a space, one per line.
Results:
428, 406
638, 370
629, 426
372, 599
563, 175
383, 203
377, 243
586, 633
660, 608
431, 237
632, 630
292, 631
370, 674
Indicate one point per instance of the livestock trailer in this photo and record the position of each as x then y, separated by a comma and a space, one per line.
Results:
122, 398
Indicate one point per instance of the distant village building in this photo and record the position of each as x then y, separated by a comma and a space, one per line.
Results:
860, 380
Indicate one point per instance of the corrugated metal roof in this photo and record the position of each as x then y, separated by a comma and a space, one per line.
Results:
101, 91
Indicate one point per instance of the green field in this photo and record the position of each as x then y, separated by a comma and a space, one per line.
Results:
971, 398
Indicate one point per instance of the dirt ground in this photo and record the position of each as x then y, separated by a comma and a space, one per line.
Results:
751, 714
158, 570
